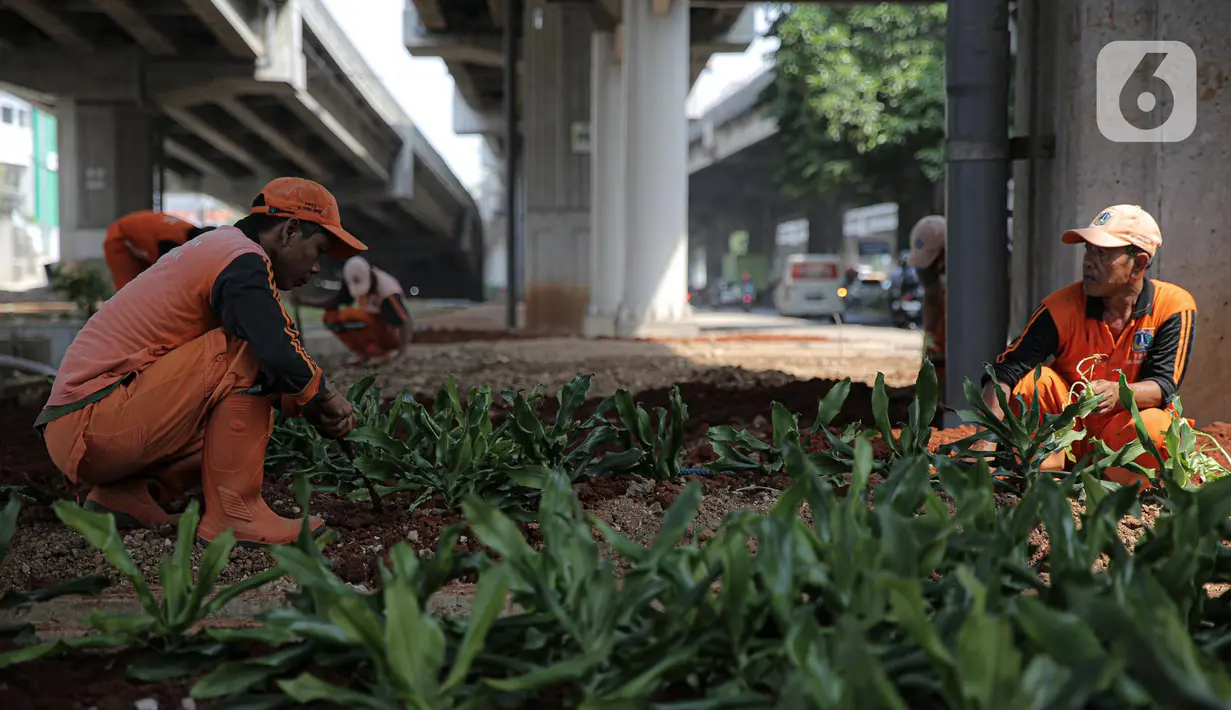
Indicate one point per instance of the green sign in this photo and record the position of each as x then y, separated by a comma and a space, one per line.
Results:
46, 170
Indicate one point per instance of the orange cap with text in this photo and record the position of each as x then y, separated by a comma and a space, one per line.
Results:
1119, 226
309, 201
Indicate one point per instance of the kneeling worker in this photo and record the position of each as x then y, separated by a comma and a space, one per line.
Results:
927, 256
378, 326
173, 382
138, 239
1114, 320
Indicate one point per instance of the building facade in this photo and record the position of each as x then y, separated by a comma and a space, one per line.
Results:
29, 194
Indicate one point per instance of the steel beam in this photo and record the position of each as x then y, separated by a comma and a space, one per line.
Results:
134, 22
327, 126
430, 14
51, 23
976, 184
182, 153
276, 139
218, 140
229, 27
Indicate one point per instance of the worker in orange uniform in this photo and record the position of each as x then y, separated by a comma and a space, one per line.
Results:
137, 240
1115, 320
927, 257
174, 381
377, 327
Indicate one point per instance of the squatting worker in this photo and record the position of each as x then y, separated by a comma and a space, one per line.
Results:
927, 256
1114, 320
174, 380
377, 327
138, 239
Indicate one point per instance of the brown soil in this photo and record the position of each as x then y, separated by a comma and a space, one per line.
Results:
434, 336
738, 338
86, 680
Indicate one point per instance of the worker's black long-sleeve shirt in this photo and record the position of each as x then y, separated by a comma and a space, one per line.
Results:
245, 299
1069, 327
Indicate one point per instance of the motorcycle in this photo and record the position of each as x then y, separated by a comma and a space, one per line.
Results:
907, 309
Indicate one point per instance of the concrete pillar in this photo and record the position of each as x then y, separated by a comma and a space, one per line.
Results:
555, 165
107, 157
1181, 183
656, 61
607, 185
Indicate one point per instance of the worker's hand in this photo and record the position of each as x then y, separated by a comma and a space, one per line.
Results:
1109, 394
331, 414
983, 445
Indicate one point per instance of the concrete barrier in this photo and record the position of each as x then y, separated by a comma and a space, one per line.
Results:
43, 341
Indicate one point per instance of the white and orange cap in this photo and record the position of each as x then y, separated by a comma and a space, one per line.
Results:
357, 273
927, 241
1119, 226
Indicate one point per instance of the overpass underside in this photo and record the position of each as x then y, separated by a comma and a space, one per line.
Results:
602, 145
219, 96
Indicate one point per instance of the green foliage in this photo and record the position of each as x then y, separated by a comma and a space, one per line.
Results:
936, 596
84, 285
742, 451
23, 634
453, 451
859, 95
900, 605
165, 625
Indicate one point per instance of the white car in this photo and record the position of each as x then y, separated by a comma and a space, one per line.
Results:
811, 286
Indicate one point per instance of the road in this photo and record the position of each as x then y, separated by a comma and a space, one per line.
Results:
860, 331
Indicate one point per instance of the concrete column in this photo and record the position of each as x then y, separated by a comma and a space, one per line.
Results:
555, 165
656, 62
1182, 184
106, 153
607, 183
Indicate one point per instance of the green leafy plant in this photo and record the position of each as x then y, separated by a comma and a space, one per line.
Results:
166, 625
1027, 435
743, 451
84, 285
23, 634
647, 449
936, 595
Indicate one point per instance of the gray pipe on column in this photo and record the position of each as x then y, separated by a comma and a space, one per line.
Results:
512, 28
976, 190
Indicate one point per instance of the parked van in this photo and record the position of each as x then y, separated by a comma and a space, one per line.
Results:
811, 286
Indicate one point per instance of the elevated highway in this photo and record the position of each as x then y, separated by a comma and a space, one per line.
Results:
221, 95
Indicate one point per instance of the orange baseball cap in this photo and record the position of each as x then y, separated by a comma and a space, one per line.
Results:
309, 201
927, 241
1119, 226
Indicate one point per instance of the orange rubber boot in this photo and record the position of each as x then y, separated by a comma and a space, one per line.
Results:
131, 502
234, 467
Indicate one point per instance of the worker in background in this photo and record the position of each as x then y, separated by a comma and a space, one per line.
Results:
173, 382
378, 326
1115, 320
927, 256
137, 240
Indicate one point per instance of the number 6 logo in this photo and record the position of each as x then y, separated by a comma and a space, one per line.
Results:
1125, 106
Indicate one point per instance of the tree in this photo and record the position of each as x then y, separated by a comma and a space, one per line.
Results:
859, 98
